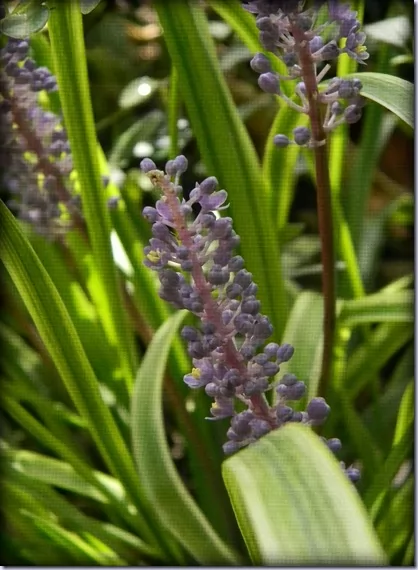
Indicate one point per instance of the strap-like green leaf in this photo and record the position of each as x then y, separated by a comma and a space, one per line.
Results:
392, 92
174, 507
295, 506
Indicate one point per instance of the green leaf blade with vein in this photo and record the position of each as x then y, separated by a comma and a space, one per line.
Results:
295, 506
177, 512
394, 93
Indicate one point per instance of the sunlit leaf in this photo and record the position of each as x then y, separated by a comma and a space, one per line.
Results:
295, 506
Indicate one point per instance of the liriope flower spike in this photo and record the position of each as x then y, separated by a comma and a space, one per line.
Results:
198, 271
285, 29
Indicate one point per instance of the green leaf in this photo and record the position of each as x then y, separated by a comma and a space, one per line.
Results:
87, 6
405, 421
394, 93
395, 31
295, 506
378, 307
70, 62
27, 19
177, 513
60, 474
65, 510
63, 344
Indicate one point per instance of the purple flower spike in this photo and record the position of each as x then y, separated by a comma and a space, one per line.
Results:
198, 271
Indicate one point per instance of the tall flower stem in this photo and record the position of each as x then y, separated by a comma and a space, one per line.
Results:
323, 197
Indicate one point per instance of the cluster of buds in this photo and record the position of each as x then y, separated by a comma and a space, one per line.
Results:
293, 36
198, 271
36, 159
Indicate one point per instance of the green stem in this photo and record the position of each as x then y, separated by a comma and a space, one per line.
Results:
69, 56
173, 112
324, 204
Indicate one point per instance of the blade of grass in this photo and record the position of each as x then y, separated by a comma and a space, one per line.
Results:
67, 44
178, 514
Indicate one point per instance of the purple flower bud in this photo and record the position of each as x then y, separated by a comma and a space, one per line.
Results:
296, 391
29, 64
146, 165
241, 423
316, 43
170, 168
233, 291
207, 220
218, 275
334, 444
260, 63
190, 333
302, 135
222, 228
271, 349
337, 108
285, 353
247, 350
329, 51
318, 410
259, 427
180, 164
261, 358
161, 231
289, 380
265, 24
284, 413
352, 114
243, 278
281, 141
353, 474
227, 315
269, 82
208, 185
256, 386
231, 447
150, 214
251, 306
296, 417
244, 323
281, 390
236, 263
271, 369
349, 89
263, 328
